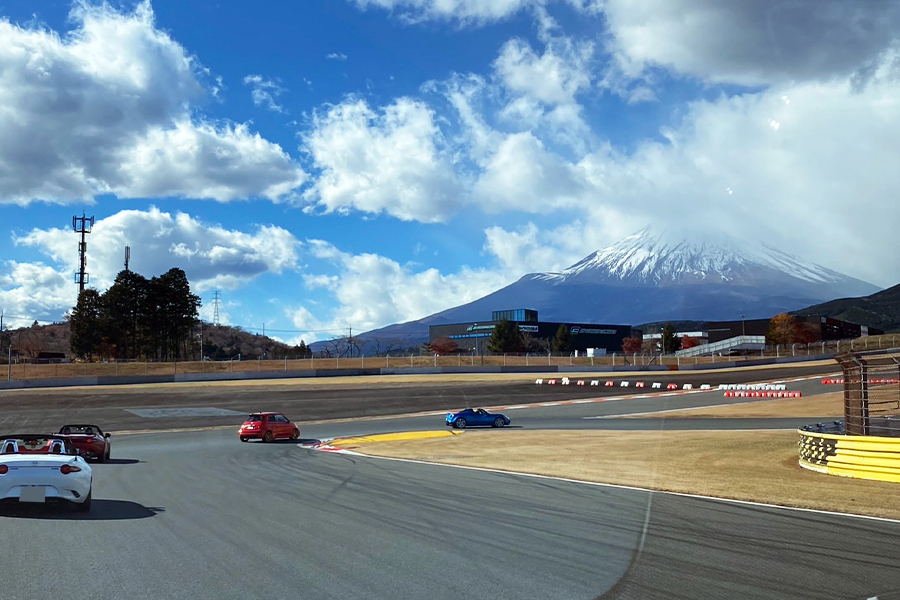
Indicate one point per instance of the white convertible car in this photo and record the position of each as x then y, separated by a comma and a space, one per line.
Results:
38, 468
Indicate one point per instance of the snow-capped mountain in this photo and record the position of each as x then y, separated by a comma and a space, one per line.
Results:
660, 258
658, 275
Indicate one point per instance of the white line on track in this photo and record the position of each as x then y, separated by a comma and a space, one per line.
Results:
633, 488
668, 410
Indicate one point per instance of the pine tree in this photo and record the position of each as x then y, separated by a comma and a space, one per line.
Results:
505, 338
671, 343
562, 342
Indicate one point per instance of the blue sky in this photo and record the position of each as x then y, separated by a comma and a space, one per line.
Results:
355, 163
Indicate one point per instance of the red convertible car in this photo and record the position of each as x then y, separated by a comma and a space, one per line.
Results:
89, 441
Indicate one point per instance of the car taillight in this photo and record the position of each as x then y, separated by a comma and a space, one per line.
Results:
4, 469
66, 469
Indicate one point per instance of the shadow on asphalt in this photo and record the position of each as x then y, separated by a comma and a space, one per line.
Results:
101, 510
122, 461
306, 441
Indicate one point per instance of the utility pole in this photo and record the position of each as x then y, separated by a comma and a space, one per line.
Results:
350, 340
83, 226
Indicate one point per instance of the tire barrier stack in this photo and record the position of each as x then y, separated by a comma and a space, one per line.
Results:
825, 449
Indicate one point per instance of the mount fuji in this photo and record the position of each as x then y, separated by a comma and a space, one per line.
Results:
658, 275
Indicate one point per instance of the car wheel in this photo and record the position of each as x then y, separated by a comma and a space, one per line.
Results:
295, 434
86, 505
243, 439
268, 437
108, 452
101, 457
498, 422
460, 424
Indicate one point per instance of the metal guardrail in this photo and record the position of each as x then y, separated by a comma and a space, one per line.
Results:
741, 342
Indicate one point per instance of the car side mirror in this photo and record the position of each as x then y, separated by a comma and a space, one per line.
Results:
106, 435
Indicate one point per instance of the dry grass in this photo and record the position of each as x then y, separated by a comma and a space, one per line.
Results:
820, 406
745, 465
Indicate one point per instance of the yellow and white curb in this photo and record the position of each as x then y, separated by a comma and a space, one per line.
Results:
342, 444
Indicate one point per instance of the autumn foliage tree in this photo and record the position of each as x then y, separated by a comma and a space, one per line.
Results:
689, 342
632, 345
781, 329
442, 345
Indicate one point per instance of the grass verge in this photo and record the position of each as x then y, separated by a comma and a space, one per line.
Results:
744, 465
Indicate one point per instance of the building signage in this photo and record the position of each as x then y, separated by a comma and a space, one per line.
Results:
529, 328
479, 327
576, 330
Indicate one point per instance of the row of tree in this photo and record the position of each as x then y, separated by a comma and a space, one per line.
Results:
136, 317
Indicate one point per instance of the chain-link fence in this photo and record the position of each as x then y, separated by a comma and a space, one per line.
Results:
871, 393
24, 369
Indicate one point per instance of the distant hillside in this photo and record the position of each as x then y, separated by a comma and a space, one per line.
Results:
220, 342
881, 310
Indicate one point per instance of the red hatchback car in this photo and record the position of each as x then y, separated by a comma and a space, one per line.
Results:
268, 426
89, 440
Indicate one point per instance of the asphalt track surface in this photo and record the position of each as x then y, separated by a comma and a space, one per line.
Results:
200, 515
115, 407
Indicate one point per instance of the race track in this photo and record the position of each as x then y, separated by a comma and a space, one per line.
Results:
200, 515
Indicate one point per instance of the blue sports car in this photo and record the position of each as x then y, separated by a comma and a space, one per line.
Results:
475, 417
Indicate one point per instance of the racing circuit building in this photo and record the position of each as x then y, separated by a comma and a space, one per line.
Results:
474, 336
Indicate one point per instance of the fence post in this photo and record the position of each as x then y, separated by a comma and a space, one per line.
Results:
526, 359
362, 357
435, 359
504, 359
458, 360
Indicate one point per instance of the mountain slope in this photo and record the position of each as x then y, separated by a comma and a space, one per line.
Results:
881, 310
658, 275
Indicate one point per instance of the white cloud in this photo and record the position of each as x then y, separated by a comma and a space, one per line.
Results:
463, 10
467, 11
336, 56
372, 291
752, 43
523, 175
34, 291
210, 255
394, 161
823, 185
108, 109
264, 92
554, 77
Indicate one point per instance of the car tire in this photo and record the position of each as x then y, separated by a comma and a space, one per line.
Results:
243, 439
499, 422
460, 424
108, 452
101, 458
268, 437
86, 505
295, 434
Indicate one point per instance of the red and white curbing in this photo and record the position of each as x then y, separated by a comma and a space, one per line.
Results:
761, 394
840, 380
622, 384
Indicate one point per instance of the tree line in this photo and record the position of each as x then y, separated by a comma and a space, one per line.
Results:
136, 318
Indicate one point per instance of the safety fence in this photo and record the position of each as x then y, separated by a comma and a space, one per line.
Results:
871, 393
862, 457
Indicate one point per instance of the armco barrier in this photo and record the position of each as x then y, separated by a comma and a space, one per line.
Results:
859, 456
